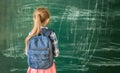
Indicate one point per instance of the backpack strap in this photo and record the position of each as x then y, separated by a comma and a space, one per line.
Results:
46, 32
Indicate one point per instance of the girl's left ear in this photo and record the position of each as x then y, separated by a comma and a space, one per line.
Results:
48, 20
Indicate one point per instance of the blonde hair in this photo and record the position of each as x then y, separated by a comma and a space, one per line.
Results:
40, 16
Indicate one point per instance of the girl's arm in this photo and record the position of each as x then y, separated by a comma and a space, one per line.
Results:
54, 44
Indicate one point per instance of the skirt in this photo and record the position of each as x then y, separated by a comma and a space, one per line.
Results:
52, 69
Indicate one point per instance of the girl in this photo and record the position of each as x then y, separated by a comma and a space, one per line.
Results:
41, 17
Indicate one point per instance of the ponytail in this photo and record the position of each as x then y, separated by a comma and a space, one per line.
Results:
36, 29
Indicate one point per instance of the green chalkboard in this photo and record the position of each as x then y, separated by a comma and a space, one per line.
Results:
87, 31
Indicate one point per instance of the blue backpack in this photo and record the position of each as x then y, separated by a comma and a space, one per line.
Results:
39, 53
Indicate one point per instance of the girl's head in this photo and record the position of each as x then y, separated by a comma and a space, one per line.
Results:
41, 17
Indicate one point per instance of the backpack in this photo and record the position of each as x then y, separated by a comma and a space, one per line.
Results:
39, 53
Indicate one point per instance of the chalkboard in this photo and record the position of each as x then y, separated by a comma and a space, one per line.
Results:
87, 31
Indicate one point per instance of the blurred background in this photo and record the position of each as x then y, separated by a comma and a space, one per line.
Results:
87, 31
